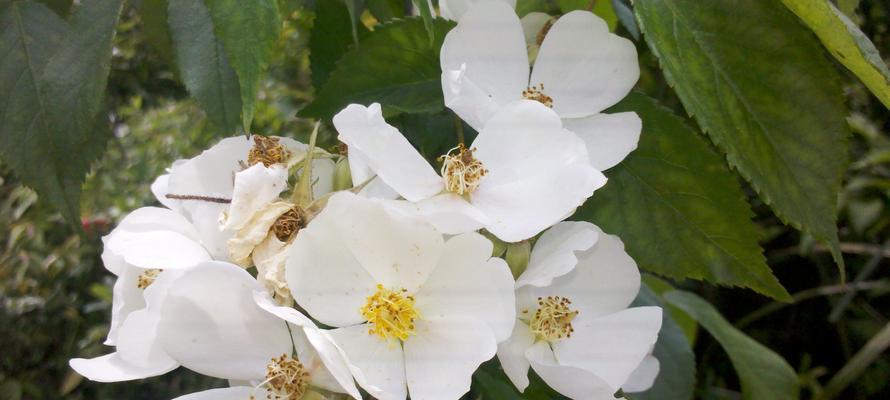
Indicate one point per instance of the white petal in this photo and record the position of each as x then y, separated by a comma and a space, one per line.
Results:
211, 173
137, 343
157, 249
468, 282
378, 365
643, 377
604, 281
532, 23
255, 187
443, 354
511, 354
323, 177
229, 393
538, 173
146, 219
322, 347
554, 252
584, 67
387, 152
611, 346
205, 217
572, 382
159, 189
211, 324
111, 368
468, 99
455, 9
449, 213
127, 297
254, 232
489, 46
609, 137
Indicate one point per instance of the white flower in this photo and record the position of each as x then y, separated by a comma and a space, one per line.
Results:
218, 320
149, 247
580, 70
455, 9
574, 328
522, 174
414, 313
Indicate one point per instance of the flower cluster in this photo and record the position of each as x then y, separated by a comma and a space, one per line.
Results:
391, 285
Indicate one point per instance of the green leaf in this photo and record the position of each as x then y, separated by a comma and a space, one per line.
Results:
676, 378
683, 320
248, 29
330, 38
490, 383
764, 375
524, 7
846, 42
157, 33
766, 95
61, 7
395, 66
626, 16
602, 8
385, 10
52, 81
427, 14
354, 7
678, 209
203, 64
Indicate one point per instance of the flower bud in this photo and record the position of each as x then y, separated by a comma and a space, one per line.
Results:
517, 257
342, 175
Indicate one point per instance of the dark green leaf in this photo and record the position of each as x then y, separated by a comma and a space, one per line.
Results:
427, 14
679, 210
248, 29
331, 36
354, 7
61, 7
676, 377
49, 130
157, 33
203, 64
764, 375
759, 84
490, 383
847, 43
385, 10
395, 66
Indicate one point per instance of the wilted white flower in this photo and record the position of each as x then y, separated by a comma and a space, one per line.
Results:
522, 174
580, 70
218, 320
574, 328
414, 313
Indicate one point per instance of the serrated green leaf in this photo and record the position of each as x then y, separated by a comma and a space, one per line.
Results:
759, 84
248, 29
676, 377
203, 64
764, 375
330, 38
846, 42
52, 81
157, 32
679, 210
395, 66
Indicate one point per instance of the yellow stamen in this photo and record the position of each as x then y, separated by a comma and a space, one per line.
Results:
462, 172
286, 379
390, 314
536, 93
267, 150
552, 320
146, 278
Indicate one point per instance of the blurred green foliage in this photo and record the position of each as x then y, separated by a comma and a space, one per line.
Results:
55, 294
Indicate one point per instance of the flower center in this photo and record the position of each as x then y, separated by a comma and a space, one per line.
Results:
462, 172
147, 277
536, 93
266, 150
552, 320
289, 223
286, 379
390, 314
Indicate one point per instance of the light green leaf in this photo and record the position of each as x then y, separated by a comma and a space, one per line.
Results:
676, 378
52, 81
759, 84
331, 36
846, 42
203, 64
764, 375
678, 209
395, 66
248, 29
687, 324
